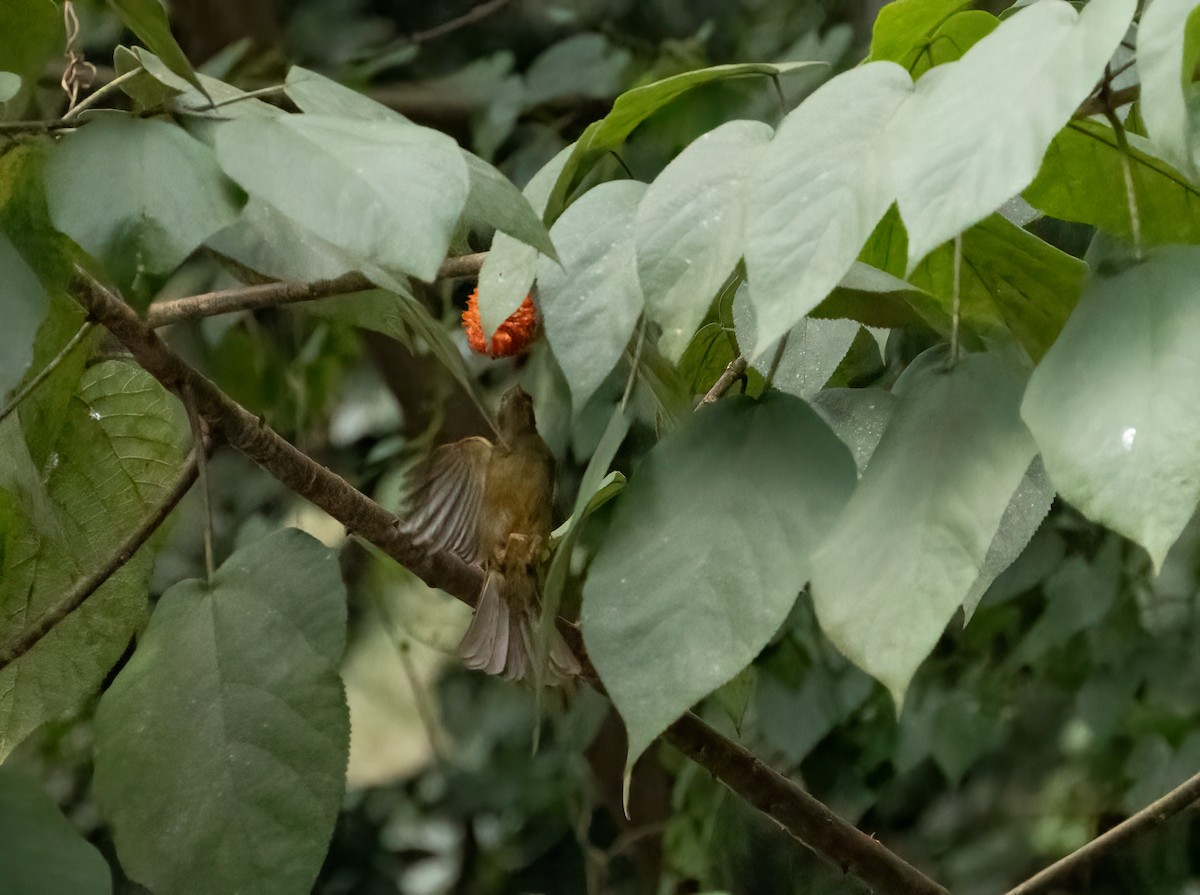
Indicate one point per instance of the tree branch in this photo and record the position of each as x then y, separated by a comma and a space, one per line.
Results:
806, 818
793, 809
269, 295
88, 585
735, 370
1155, 814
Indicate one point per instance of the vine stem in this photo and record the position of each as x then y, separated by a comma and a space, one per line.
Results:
44, 373
72, 114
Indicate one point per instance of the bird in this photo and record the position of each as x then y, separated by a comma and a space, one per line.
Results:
491, 505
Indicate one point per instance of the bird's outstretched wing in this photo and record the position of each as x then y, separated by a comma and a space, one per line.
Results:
444, 510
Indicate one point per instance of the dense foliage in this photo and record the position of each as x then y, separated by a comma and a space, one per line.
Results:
927, 546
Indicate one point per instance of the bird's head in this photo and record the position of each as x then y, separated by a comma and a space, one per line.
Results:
516, 413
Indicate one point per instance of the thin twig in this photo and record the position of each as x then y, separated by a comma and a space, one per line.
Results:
88, 585
782, 800
44, 373
1110, 112
87, 102
270, 295
1095, 105
955, 303
189, 403
733, 372
470, 17
1153, 815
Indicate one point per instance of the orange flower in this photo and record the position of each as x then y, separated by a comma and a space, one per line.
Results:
514, 335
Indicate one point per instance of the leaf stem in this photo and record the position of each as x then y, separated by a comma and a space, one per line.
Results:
91, 99
955, 303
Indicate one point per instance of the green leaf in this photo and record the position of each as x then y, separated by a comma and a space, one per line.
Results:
803, 232
40, 852
813, 350
155, 85
1078, 595
591, 303
161, 195
952, 39
387, 193
916, 534
118, 452
232, 707
709, 546
493, 200
875, 298
706, 357
1168, 50
148, 20
1010, 282
975, 131
858, 416
25, 303
1110, 403
632, 108
1082, 179
690, 228
509, 269
904, 28
31, 35
10, 86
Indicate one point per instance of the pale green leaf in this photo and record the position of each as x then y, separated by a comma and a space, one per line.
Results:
1082, 179
1170, 100
386, 192
221, 747
632, 108
858, 416
915, 536
975, 131
813, 350
40, 852
509, 269
318, 95
10, 85
148, 20
709, 546
818, 192
586, 65
691, 226
118, 452
591, 303
1110, 403
161, 195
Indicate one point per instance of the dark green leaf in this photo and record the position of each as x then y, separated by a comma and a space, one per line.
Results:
40, 852
709, 546
31, 35
232, 707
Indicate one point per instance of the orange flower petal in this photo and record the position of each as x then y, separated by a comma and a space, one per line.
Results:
514, 335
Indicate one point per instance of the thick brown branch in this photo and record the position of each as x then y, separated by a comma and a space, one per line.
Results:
1096, 105
796, 811
85, 587
1057, 875
269, 295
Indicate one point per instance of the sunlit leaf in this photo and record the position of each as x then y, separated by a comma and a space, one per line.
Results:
1082, 179
591, 303
690, 228
709, 546
915, 536
231, 705
904, 29
952, 39
1110, 403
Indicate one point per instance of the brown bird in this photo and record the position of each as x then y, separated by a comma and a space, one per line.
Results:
490, 504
